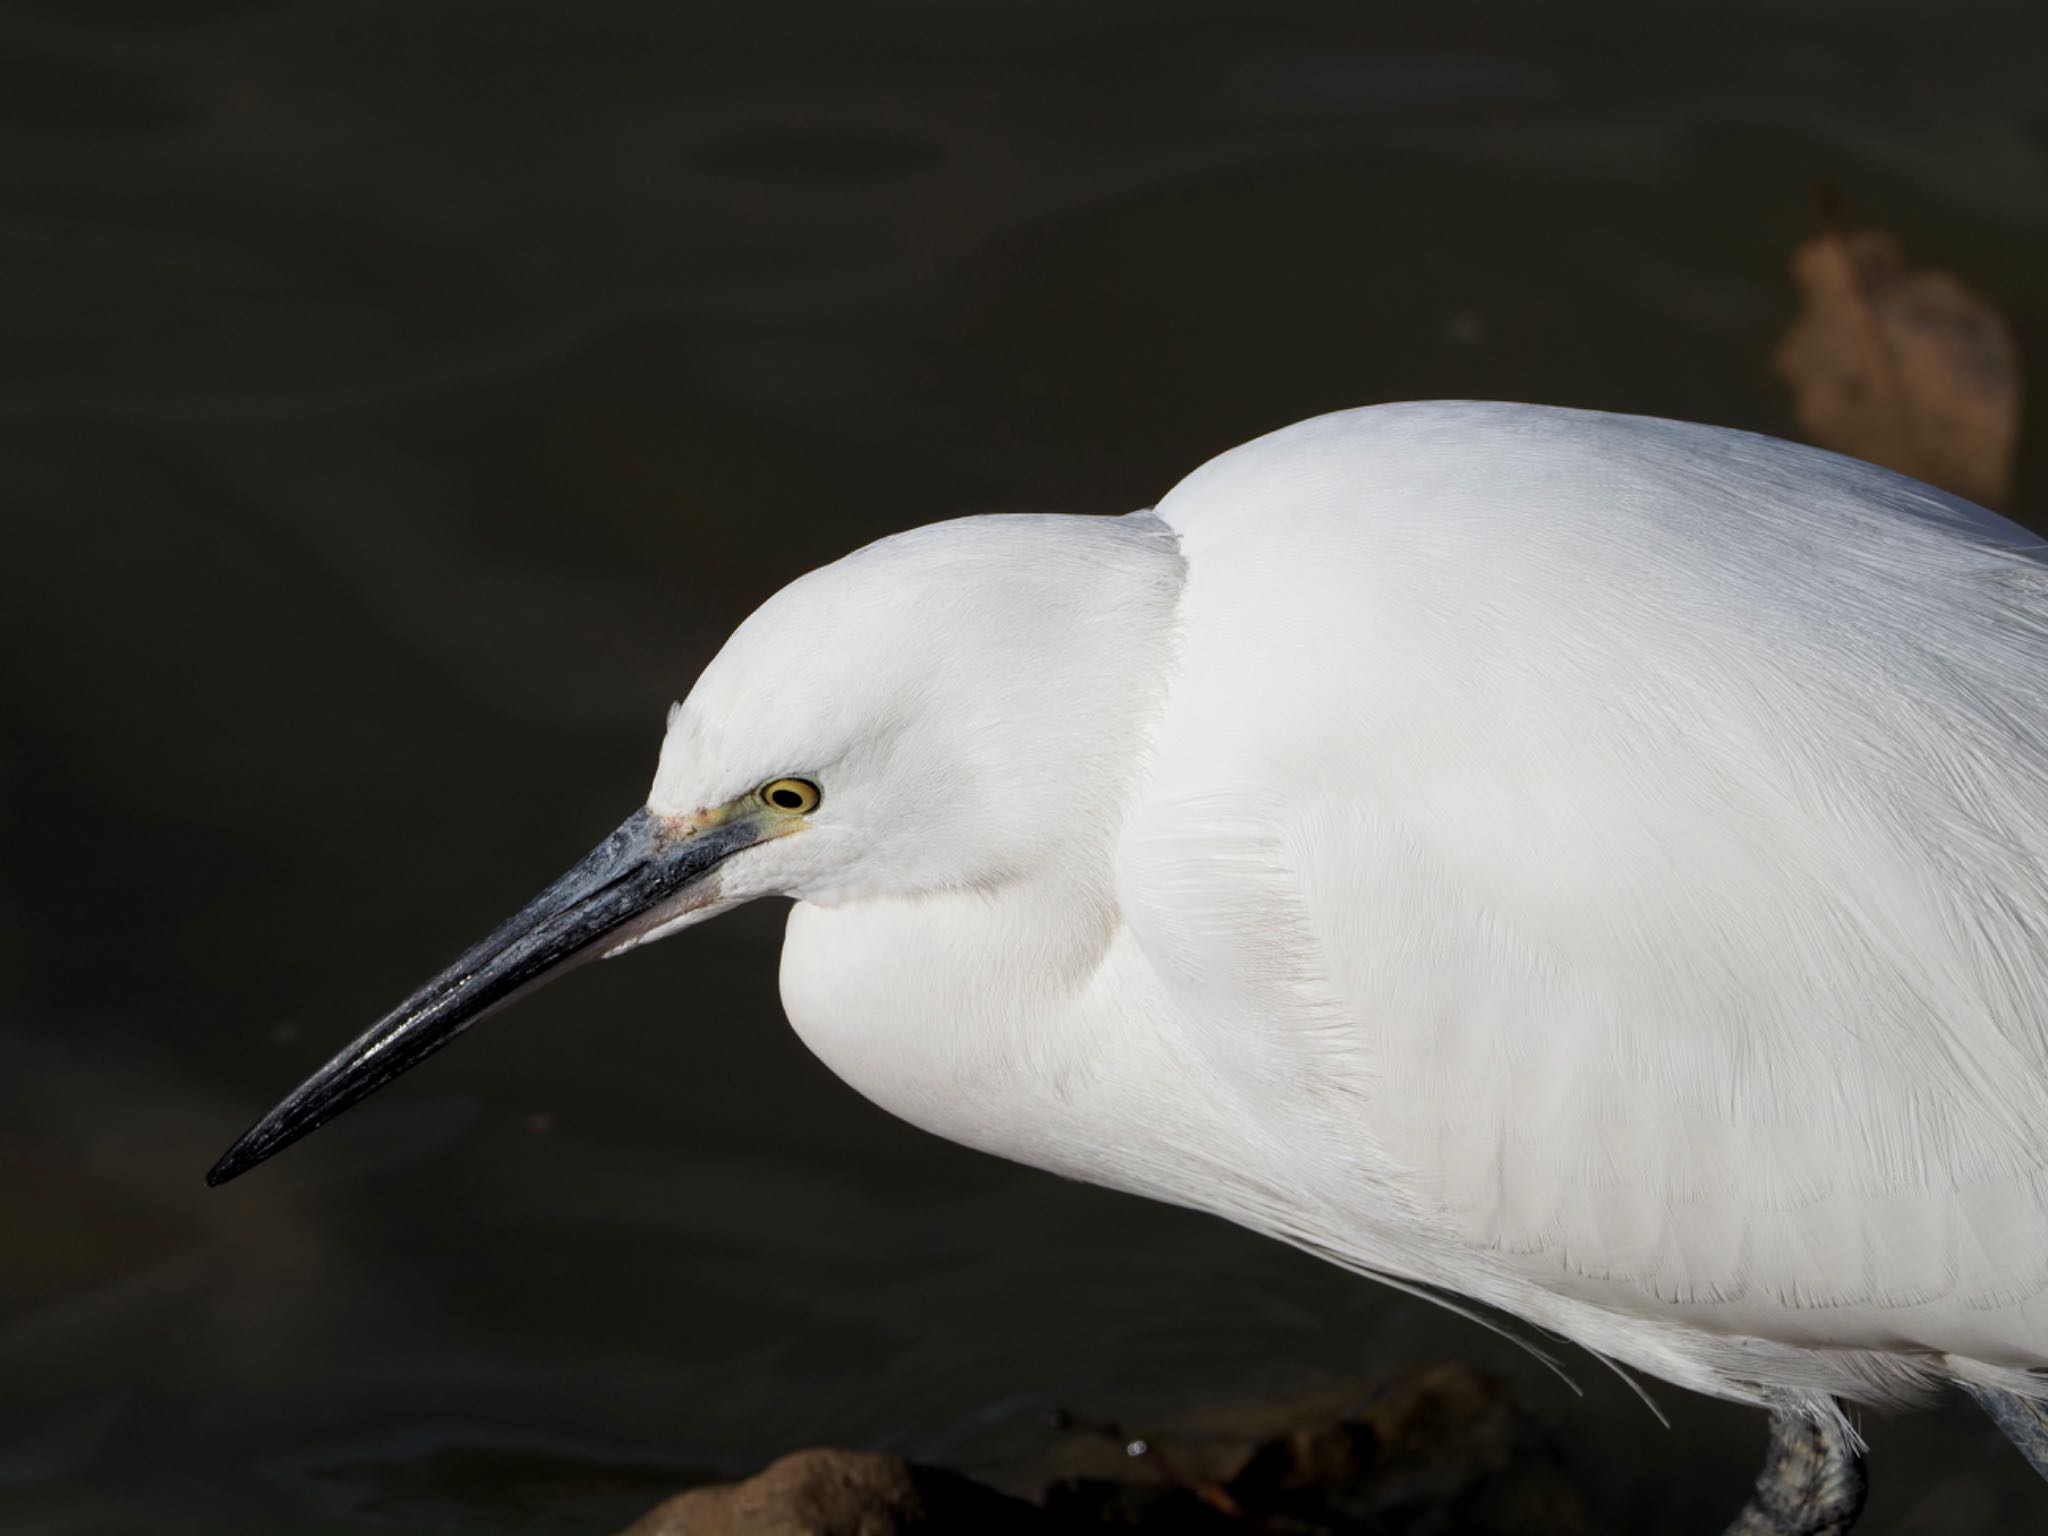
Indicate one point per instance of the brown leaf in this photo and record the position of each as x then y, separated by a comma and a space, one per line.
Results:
1902, 367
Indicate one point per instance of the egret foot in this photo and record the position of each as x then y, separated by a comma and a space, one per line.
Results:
1812, 1483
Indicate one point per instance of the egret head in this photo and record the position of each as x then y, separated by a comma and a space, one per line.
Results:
950, 709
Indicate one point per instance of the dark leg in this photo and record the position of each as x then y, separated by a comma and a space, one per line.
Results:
2025, 1423
1812, 1483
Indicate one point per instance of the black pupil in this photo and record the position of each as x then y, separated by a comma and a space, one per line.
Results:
788, 799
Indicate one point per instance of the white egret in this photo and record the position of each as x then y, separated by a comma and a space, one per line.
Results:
1593, 866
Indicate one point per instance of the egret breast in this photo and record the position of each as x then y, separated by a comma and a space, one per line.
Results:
1005, 1025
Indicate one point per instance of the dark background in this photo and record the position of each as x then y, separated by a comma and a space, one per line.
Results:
399, 401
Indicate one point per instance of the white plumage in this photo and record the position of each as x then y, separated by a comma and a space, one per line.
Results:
1587, 864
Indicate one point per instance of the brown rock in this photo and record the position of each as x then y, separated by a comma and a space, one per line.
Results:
842, 1493
1421, 1453
1431, 1450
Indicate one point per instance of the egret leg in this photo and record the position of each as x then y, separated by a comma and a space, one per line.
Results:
2025, 1423
1812, 1483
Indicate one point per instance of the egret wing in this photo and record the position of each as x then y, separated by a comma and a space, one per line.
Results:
1609, 858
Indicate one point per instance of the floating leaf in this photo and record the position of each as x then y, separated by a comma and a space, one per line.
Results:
1906, 368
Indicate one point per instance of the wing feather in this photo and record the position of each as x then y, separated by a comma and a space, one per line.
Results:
1609, 856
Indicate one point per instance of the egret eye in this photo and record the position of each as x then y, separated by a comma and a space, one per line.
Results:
798, 795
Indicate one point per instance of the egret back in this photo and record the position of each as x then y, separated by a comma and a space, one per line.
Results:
1607, 858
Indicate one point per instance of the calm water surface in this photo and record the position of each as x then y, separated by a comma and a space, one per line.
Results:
400, 399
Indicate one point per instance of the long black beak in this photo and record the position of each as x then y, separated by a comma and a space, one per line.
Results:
647, 872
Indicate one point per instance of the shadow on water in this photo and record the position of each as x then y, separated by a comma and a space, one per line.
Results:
397, 405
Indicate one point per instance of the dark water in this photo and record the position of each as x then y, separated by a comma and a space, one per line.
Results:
399, 399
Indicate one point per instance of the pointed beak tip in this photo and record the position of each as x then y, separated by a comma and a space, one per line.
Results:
233, 1163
